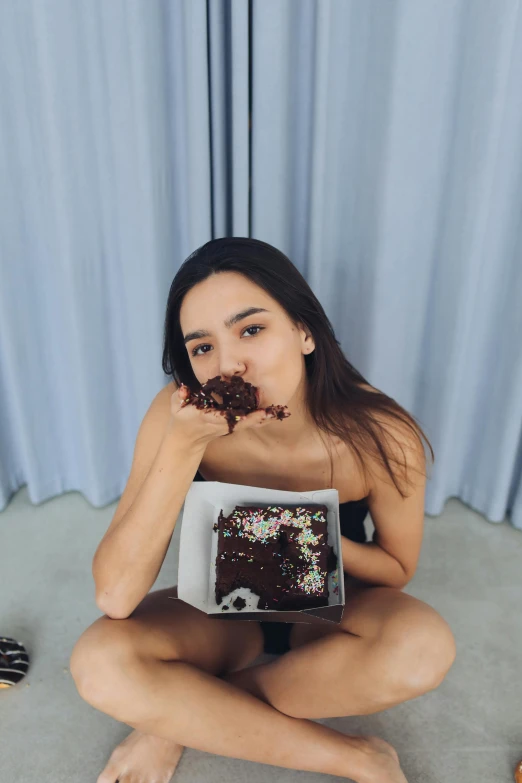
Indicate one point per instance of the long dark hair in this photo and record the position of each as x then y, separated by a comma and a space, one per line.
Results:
335, 396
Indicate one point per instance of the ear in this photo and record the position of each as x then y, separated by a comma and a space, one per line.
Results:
307, 341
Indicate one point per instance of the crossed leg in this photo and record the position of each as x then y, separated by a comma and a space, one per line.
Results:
177, 676
388, 648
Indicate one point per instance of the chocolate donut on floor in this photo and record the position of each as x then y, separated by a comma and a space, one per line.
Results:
14, 662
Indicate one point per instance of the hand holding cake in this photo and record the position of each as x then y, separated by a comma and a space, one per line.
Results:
219, 408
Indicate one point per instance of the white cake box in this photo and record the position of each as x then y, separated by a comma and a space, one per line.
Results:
198, 548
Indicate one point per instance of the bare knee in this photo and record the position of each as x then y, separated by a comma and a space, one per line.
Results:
105, 651
417, 653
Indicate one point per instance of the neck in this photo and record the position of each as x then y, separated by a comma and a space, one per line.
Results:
292, 432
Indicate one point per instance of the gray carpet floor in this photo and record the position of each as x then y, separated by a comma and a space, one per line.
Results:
467, 730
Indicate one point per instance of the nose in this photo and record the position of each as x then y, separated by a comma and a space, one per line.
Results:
230, 366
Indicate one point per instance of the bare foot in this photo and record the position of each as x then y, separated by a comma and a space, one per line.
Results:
382, 764
142, 758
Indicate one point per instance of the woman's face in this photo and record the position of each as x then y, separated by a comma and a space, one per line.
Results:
264, 348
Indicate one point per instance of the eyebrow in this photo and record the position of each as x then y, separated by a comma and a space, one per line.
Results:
229, 322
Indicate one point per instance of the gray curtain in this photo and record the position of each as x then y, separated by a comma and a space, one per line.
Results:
378, 144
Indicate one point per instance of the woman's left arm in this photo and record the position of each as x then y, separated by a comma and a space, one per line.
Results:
390, 560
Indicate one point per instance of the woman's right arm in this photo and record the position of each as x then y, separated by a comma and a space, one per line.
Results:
167, 455
129, 557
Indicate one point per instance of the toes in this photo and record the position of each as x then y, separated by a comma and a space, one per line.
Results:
109, 775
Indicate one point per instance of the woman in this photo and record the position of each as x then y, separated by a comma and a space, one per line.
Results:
239, 306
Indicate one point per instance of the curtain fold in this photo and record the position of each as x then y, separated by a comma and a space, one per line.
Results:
377, 144
387, 163
228, 36
105, 189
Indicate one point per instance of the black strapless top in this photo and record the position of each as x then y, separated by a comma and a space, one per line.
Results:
351, 514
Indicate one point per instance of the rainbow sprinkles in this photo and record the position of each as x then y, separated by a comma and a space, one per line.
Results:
279, 552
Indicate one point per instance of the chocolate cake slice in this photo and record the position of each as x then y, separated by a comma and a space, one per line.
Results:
280, 552
236, 398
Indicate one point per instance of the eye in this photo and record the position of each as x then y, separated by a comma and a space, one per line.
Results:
195, 350
253, 327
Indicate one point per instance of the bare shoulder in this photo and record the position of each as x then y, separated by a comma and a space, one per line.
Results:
402, 445
405, 452
167, 391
